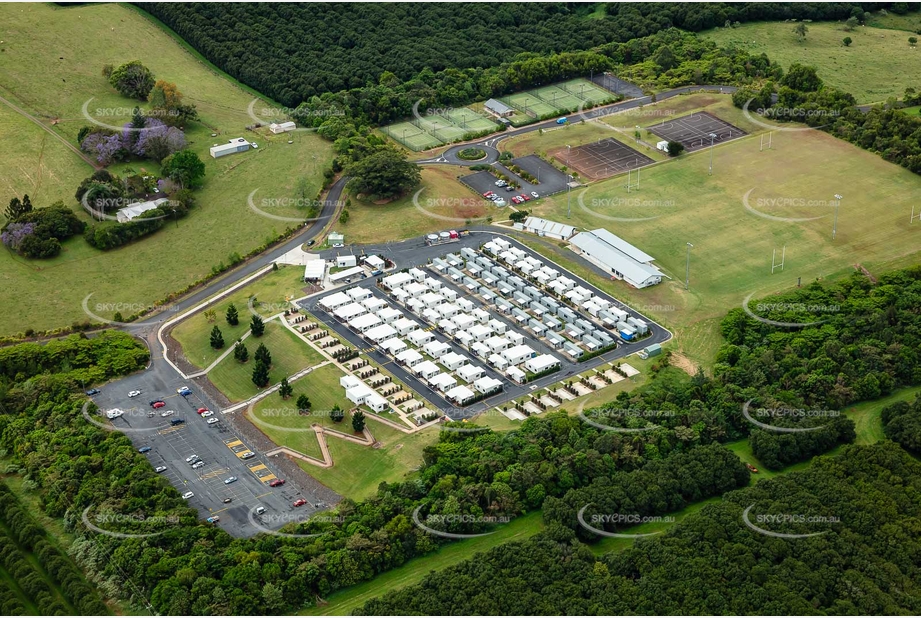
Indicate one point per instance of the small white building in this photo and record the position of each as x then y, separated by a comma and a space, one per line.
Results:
131, 211
464, 321
518, 354
487, 385
346, 261
431, 315
497, 326
480, 332
470, 373
404, 326
479, 348
481, 315
449, 294
448, 326
389, 315
358, 293
364, 323
443, 382
550, 229
515, 337
373, 304
420, 337
447, 310
460, 395
350, 311
374, 262
498, 361
417, 274
334, 301
431, 299
282, 127
452, 360
465, 304
415, 289
381, 333
426, 369
361, 394
436, 349
394, 346
410, 358
396, 281
544, 362
516, 374
237, 144
348, 381
497, 344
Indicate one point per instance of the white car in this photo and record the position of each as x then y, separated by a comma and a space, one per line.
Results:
212, 421
188, 495
534, 194
197, 465
167, 413
191, 458
207, 414
134, 393
229, 480
160, 469
247, 455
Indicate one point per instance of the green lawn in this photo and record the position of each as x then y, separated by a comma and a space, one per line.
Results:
51, 64
879, 63
280, 421
270, 291
358, 470
914, 110
343, 602
732, 250
289, 355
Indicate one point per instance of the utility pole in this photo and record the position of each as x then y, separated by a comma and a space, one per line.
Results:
834, 229
569, 199
712, 137
687, 268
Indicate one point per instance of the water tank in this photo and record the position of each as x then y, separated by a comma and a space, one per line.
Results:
432, 237
444, 235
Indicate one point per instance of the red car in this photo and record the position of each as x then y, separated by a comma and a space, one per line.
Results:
527, 198
202, 410
488, 193
300, 502
277, 483
158, 404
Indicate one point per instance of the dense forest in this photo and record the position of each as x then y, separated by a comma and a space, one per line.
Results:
864, 562
292, 52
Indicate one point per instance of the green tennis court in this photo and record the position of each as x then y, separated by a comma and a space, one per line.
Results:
469, 120
587, 91
411, 136
559, 99
528, 103
441, 128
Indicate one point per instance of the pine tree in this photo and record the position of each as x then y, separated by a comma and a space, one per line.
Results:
232, 318
303, 404
285, 389
261, 374
263, 355
240, 353
358, 421
217, 338
257, 326
337, 414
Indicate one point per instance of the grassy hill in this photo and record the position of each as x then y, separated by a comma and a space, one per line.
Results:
878, 64
50, 66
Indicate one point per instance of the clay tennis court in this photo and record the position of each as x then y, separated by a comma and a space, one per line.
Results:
694, 131
601, 159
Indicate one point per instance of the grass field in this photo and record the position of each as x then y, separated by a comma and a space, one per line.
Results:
289, 355
66, 48
270, 292
343, 602
444, 204
879, 63
358, 470
732, 246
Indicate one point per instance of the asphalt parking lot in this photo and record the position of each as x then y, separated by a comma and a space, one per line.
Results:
551, 179
215, 444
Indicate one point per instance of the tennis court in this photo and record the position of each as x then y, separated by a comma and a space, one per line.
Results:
557, 98
440, 128
411, 136
528, 103
694, 131
587, 91
601, 159
471, 121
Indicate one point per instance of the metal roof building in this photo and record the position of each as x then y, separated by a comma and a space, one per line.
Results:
618, 257
498, 108
551, 229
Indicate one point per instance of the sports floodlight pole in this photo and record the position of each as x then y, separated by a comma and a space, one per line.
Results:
569, 199
834, 229
712, 137
687, 268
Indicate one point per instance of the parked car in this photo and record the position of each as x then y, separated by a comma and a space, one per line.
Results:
166, 413
212, 421
213, 519
206, 413
509, 188
260, 510
487, 194
248, 455
196, 460
338, 245
527, 198
534, 194
197, 465
160, 469
134, 393
93, 391
144, 449
191, 458
277, 483
228, 500
188, 495
185, 391
177, 421
158, 404
229, 480
300, 502
311, 242
200, 410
